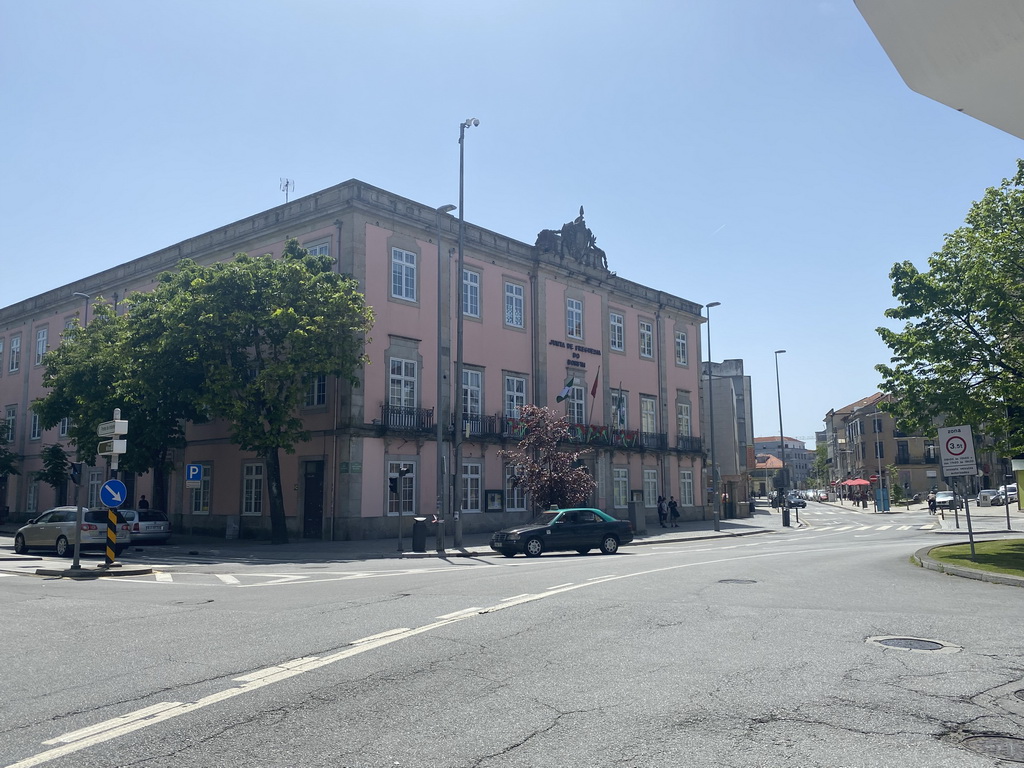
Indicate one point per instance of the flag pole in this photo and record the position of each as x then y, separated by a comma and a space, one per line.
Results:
593, 396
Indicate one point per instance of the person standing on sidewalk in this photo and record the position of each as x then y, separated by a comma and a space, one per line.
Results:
673, 511
662, 511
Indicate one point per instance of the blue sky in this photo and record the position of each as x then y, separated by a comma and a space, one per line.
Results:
758, 153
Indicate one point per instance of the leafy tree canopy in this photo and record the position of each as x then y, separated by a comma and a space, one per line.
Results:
548, 474
960, 354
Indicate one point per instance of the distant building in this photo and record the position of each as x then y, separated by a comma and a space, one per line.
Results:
733, 427
799, 460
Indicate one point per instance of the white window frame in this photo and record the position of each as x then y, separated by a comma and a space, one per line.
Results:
515, 495
470, 293
1, 356
42, 336
319, 248
646, 339
515, 305
402, 382
682, 349
651, 488
685, 487
472, 392
199, 501
35, 430
15, 357
576, 405
405, 503
574, 318
620, 409
11, 417
32, 498
95, 483
403, 274
684, 419
472, 486
616, 332
648, 414
64, 426
620, 487
316, 393
253, 473
515, 396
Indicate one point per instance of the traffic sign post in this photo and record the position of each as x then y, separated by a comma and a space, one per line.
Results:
956, 448
113, 448
193, 475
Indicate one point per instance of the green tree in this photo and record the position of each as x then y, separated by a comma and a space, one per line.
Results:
124, 361
820, 469
257, 328
960, 354
56, 471
548, 474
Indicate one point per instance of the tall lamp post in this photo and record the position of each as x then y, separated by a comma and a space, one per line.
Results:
782, 445
715, 513
459, 426
442, 312
86, 296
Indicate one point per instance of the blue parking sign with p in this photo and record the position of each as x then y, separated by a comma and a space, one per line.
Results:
193, 475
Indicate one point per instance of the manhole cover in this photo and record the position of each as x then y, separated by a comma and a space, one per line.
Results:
1004, 747
736, 581
911, 643
914, 644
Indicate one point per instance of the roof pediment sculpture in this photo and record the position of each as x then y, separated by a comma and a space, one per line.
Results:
575, 241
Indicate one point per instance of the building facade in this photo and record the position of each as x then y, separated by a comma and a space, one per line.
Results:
799, 460
538, 321
730, 388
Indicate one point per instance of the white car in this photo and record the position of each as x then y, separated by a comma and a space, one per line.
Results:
55, 529
1010, 492
990, 498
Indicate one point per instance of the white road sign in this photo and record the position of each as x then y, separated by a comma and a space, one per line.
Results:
956, 448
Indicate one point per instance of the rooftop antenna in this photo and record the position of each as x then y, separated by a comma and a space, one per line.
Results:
287, 185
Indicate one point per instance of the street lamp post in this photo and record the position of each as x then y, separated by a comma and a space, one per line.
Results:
459, 426
86, 296
442, 313
715, 512
782, 446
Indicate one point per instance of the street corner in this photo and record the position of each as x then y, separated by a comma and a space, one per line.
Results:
923, 559
98, 572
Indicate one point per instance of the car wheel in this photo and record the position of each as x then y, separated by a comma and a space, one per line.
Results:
19, 545
64, 549
533, 547
583, 550
609, 545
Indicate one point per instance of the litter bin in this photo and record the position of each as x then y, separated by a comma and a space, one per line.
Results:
419, 534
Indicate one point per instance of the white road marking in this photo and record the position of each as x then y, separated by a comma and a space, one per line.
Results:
164, 576
227, 578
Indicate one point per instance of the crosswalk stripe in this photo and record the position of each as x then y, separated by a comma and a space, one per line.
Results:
161, 576
227, 578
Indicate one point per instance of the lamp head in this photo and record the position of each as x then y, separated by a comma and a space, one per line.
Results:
711, 304
447, 208
779, 351
471, 121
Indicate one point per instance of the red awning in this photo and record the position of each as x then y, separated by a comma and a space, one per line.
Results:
857, 481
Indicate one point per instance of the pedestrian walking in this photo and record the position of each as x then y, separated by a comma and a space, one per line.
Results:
932, 504
673, 511
662, 511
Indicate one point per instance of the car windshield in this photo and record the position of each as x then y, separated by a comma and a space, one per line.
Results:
546, 518
565, 515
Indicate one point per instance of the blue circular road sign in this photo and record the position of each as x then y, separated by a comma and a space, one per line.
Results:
113, 494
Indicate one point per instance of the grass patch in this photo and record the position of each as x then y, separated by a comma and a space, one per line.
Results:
996, 556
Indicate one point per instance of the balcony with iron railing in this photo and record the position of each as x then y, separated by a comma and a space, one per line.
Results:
406, 419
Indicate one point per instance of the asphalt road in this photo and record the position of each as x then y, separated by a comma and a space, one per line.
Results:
767, 650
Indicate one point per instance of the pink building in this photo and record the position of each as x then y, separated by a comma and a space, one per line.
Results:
536, 318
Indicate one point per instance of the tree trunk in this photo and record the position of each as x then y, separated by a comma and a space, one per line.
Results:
278, 526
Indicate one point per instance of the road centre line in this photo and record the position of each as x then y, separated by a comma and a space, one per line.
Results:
123, 725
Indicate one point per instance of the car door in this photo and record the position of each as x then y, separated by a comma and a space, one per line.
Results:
38, 534
565, 531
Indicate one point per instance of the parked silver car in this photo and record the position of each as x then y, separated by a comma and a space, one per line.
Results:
148, 525
55, 529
